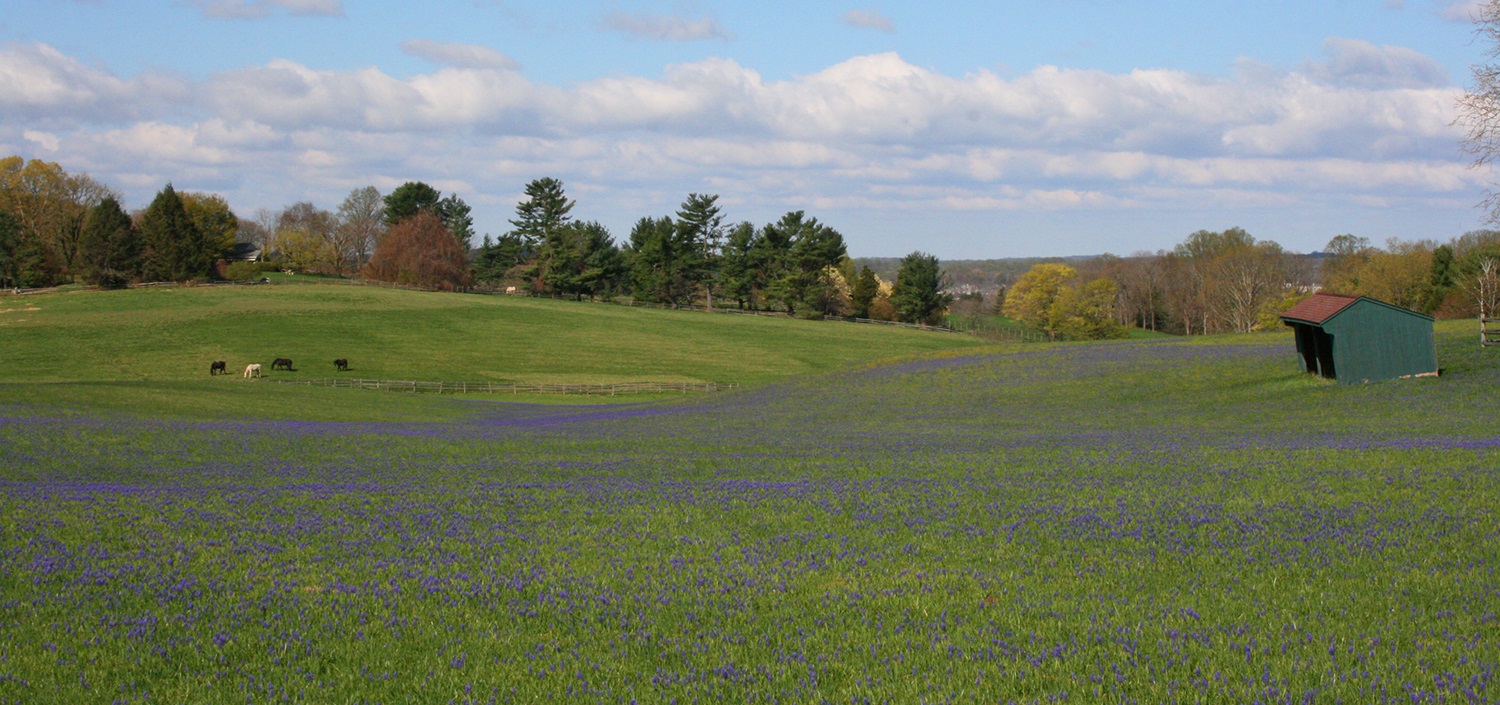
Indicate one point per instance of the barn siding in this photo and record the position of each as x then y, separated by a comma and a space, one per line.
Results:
1381, 342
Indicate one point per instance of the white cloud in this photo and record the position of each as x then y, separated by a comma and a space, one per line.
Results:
1354, 62
1462, 10
869, 19
38, 82
467, 56
665, 28
260, 9
873, 133
44, 140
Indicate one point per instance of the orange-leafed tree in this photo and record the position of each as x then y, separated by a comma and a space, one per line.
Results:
420, 251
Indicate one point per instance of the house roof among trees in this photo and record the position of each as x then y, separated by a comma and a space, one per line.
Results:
1319, 307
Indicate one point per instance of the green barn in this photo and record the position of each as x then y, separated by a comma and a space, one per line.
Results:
1356, 339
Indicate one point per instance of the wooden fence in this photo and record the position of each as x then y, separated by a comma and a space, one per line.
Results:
1489, 333
512, 387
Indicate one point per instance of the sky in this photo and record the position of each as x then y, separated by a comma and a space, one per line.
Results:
968, 130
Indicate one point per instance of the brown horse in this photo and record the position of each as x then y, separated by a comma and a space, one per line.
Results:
341, 364
218, 368
282, 363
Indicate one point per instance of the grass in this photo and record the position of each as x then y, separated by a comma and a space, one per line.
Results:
1128, 521
109, 349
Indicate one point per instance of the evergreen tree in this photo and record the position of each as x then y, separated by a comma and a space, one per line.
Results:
544, 211
410, 198
495, 258
866, 286
806, 247
918, 295
652, 276
111, 249
456, 215
737, 267
603, 264
10, 245
700, 235
172, 246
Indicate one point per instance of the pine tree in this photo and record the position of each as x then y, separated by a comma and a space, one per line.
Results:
111, 248
172, 246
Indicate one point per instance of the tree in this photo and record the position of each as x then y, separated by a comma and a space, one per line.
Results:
49, 205
700, 225
456, 216
545, 210
111, 249
736, 267
653, 277
1085, 312
863, 293
10, 245
306, 239
919, 296
809, 248
172, 246
497, 257
361, 222
1345, 261
1479, 106
420, 251
603, 263
409, 199
218, 225
1030, 299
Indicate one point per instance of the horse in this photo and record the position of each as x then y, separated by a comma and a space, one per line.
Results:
282, 363
341, 364
252, 370
218, 368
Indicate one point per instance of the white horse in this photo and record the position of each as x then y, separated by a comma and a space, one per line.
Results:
252, 370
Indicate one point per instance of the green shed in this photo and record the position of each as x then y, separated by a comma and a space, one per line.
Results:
1355, 339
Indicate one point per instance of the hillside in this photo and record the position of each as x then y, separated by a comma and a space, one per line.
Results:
110, 349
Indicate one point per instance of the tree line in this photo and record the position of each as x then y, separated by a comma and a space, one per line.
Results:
57, 227
1229, 282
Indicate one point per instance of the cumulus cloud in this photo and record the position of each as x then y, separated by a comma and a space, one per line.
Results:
459, 55
872, 132
1355, 62
664, 28
40, 83
869, 19
260, 9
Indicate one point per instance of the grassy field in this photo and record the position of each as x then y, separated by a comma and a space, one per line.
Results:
1143, 521
150, 349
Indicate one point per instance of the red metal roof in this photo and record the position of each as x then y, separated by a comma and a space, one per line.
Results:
1319, 307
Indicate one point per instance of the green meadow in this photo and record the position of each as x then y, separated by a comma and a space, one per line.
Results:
875, 516
150, 349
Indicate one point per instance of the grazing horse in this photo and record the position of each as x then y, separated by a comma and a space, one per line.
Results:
252, 370
282, 363
341, 364
218, 368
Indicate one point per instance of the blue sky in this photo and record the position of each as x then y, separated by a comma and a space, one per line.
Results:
969, 130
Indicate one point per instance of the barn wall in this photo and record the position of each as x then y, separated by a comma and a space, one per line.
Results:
1375, 342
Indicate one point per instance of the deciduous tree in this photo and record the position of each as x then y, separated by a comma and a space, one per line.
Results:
420, 251
1030, 299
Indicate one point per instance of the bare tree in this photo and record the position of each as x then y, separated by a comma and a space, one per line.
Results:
1479, 107
361, 222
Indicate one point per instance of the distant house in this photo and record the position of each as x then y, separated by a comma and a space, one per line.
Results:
1356, 339
244, 252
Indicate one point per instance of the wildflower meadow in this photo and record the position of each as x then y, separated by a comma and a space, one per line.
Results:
1125, 522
